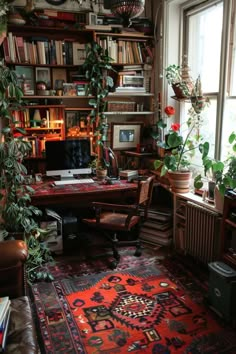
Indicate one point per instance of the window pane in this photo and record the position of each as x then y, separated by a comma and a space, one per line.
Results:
229, 125
233, 82
207, 128
204, 43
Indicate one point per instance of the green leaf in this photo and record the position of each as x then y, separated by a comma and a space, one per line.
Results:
174, 140
157, 164
232, 137
198, 182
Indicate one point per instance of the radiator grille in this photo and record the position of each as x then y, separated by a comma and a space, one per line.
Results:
202, 238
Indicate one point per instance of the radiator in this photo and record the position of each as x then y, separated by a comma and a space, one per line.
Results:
202, 236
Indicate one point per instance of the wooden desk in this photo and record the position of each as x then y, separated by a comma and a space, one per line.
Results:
81, 195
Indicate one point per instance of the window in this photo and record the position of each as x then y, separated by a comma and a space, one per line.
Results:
207, 37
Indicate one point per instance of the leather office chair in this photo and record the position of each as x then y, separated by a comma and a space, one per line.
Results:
113, 219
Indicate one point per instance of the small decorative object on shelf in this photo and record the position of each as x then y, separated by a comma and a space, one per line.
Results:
37, 118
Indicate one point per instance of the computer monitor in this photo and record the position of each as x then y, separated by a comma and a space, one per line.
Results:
67, 158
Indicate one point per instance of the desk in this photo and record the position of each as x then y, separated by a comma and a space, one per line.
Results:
81, 195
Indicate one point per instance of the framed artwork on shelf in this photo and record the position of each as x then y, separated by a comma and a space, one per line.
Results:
25, 78
125, 135
43, 74
76, 124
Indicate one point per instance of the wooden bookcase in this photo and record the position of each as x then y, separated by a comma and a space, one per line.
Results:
55, 56
228, 231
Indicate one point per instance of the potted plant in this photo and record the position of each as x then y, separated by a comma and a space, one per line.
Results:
97, 66
179, 79
100, 167
18, 218
198, 100
179, 147
223, 173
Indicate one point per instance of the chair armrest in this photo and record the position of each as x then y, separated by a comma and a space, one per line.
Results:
115, 207
12, 252
13, 255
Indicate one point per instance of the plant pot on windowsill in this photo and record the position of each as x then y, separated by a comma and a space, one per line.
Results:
180, 181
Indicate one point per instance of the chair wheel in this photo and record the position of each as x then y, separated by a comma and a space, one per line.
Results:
113, 264
137, 253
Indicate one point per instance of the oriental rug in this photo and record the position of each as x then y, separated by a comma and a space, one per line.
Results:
133, 310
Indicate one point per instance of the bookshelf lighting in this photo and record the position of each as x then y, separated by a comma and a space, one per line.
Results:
127, 9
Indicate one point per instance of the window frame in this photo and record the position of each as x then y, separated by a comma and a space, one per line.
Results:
183, 8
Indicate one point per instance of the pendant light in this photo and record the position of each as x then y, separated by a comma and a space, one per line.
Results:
127, 9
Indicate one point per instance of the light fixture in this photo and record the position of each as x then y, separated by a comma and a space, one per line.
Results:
127, 9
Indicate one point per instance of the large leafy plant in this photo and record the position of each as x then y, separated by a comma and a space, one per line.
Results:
18, 217
179, 146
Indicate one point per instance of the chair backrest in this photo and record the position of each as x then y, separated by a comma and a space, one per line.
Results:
144, 193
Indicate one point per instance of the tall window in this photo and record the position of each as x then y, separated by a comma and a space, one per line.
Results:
209, 43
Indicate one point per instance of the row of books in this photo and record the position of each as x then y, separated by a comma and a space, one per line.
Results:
40, 50
5, 311
127, 51
158, 228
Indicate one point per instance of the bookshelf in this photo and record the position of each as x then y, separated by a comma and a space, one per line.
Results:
228, 231
54, 56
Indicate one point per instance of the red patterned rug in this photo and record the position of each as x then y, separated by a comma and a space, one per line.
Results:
138, 309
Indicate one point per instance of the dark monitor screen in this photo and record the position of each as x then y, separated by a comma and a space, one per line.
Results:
67, 158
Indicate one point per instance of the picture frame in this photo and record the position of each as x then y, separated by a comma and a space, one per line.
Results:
25, 79
125, 135
44, 75
38, 178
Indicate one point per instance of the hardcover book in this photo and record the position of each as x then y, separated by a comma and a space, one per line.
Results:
4, 305
4, 331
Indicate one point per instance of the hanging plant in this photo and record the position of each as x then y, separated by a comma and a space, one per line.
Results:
97, 66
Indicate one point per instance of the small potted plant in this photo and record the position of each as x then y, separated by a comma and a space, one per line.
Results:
223, 172
179, 150
181, 83
100, 167
198, 100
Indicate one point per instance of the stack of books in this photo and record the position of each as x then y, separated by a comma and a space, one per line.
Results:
4, 320
158, 228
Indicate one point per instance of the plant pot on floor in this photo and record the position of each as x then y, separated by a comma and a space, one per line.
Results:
180, 181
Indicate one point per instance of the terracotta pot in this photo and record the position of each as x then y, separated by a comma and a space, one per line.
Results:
101, 174
178, 91
180, 181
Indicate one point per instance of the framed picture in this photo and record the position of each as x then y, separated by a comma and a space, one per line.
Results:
43, 74
25, 79
125, 135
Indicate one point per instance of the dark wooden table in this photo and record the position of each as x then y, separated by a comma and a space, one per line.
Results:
82, 195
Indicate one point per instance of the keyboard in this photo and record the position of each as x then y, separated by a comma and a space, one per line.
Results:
74, 181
